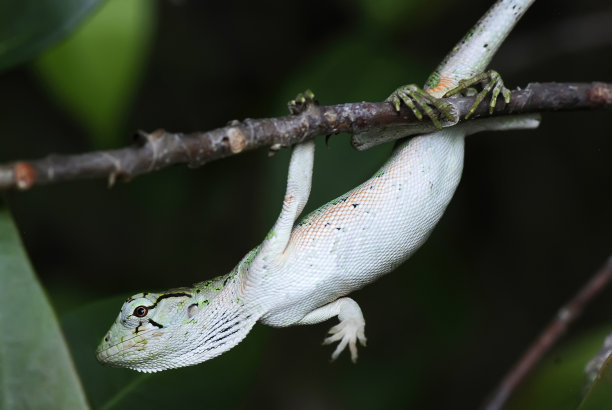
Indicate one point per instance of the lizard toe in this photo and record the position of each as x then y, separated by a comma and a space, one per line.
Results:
347, 333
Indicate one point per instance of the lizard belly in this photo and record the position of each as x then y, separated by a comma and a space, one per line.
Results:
369, 231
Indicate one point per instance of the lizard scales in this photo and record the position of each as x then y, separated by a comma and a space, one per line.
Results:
302, 272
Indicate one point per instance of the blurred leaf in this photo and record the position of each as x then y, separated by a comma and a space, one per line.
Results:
29, 26
599, 395
95, 73
36, 371
353, 68
390, 14
215, 384
558, 382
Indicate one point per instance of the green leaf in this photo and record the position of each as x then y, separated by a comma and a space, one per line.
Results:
558, 382
220, 383
29, 26
390, 14
36, 371
95, 73
599, 395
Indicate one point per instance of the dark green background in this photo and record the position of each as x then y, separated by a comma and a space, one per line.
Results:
530, 222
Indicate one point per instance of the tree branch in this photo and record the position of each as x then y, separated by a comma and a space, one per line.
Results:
159, 149
555, 329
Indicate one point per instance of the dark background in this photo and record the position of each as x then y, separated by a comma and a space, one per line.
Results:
529, 224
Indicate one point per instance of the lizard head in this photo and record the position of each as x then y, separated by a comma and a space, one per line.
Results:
180, 327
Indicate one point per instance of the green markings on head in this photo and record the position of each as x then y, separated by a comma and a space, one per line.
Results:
142, 336
212, 284
205, 285
211, 287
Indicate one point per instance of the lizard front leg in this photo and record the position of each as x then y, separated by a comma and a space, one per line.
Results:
350, 329
411, 95
298, 189
491, 83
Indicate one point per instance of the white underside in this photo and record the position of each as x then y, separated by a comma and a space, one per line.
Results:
352, 246
344, 247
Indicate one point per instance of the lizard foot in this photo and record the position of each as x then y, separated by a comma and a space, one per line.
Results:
350, 329
411, 95
301, 102
297, 106
348, 332
491, 82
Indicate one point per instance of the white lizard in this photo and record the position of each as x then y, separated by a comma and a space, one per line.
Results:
302, 272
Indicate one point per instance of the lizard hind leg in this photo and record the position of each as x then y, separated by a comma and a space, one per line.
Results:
348, 332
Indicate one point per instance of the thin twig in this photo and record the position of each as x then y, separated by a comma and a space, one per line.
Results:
565, 316
159, 149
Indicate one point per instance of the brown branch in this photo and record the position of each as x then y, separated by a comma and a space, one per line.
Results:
565, 316
159, 149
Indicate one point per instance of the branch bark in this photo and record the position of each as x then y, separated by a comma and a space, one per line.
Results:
159, 149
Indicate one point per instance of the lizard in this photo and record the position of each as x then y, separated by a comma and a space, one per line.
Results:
302, 272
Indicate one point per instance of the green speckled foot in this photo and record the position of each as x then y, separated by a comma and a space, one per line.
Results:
411, 95
301, 102
491, 82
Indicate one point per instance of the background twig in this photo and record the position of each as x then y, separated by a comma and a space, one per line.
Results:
159, 149
565, 316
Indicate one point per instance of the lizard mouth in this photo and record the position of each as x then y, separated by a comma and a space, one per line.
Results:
104, 353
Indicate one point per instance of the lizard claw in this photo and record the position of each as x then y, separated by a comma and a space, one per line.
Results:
347, 332
411, 95
301, 102
491, 83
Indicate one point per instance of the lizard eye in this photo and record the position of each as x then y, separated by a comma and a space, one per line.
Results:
141, 311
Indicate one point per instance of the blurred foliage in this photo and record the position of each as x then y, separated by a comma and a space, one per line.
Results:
29, 26
441, 329
36, 371
599, 394
388, 14
558, 382
96, 71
